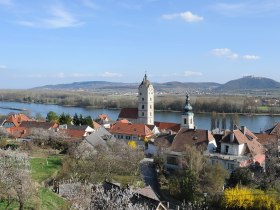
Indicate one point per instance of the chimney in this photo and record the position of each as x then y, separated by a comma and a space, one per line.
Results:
231, 137
243, 129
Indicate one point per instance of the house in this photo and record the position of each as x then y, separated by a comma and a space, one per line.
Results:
239, 148
15, 120
201, 139
166, 127
76, 132
24, 129
132, 132
103, 120
100, 136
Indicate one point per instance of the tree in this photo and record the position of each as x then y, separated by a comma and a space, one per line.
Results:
52, 116
247, 198
224, 121
76, 120
241, 176
15, 177
89, 196
213, 120
65, 119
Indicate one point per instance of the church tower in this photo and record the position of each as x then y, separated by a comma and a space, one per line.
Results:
146, 102
187, 117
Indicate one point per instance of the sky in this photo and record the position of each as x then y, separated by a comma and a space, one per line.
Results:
62, 41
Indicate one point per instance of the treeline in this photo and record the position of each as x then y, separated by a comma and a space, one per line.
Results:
227, 104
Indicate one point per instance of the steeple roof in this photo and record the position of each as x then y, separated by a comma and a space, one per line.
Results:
145, 81
188, 107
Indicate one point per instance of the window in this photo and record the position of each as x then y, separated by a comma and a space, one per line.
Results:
226, 149
140, 93
230, 166
185, 121
143, 114
150, 99
150, 106
143, 106
150, 113
142, 99
172, 160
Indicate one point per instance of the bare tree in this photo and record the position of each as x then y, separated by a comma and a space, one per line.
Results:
15, 177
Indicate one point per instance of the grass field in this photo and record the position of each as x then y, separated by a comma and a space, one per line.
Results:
43, 168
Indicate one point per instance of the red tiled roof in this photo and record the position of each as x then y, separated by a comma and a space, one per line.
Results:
39, 124
166, 126
190, 137
18, 132
129, 113
74, 133
131, 129
267, 139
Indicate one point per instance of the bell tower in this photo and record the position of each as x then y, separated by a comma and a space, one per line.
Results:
187, 116
146, 102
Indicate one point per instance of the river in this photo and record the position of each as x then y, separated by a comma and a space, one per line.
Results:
202, 121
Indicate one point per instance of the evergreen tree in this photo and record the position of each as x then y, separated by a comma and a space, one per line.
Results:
88, 121
76, 119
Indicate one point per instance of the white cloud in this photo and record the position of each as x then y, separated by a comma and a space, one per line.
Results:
7, 2
225, 52
251, 57
192, 73
60, 18
110, 74
2, 67
186, 16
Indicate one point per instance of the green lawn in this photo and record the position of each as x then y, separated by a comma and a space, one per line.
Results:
43, 168
50, 200
46, 200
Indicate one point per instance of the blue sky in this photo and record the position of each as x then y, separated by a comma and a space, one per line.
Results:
62, 41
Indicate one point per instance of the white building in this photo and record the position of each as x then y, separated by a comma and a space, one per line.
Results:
145, 112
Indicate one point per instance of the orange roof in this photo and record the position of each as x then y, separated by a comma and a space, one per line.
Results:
18, 132
17, 119
95, 125
131, 129
74, 133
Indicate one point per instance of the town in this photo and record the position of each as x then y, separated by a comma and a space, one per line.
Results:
136, 162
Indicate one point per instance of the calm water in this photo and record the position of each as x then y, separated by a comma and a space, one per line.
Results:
202, 121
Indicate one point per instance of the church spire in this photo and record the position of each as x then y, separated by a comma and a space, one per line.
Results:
187, 117
188, 107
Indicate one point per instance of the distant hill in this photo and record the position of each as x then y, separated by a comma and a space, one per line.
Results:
93, 85
245, 83
250, 83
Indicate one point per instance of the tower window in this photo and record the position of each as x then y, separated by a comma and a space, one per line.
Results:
143, 114
142, 99
140, 93
150, 99
150, 113
185, 121
150, 106
143, 106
